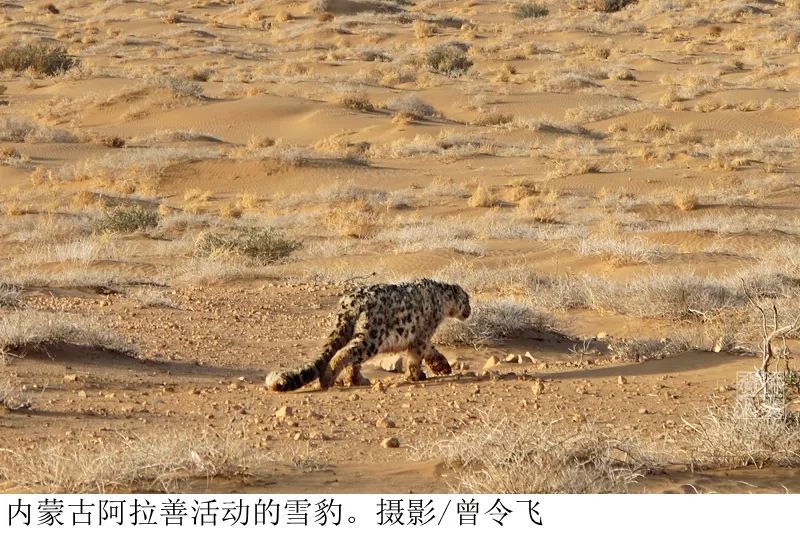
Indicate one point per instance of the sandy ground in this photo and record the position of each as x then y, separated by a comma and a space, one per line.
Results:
653, 145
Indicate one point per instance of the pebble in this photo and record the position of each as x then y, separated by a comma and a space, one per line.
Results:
385, 423
283, 412
390, 442
491, 362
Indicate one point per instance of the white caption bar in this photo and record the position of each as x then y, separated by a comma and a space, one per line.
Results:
326, 512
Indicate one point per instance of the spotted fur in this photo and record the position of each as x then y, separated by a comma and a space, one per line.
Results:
382, 318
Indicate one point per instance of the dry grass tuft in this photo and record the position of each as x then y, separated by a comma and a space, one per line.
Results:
9, 295
355, 99
148, 297
639, 350
11, 397
494, 319
45, 59
449, 59
482, 197
30, 330
128, 219
353, 219
156, 462
507, 457
262, 245
685, 201
604, 6
530, 10
412, 107
619, 250
727, 438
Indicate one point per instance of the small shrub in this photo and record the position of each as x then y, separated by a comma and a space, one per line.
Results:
607, 6
504, 456
172, 18
642, 350
482, 197
113, 141
42, 58
11, 397
356, 100
620, 250
412, 107
178, 86
147, 297
163, 461
9, 295
685, 201
127, 219
353, 219
25, 330
262, 245
448, 59
530, 10
729, 439
495, 319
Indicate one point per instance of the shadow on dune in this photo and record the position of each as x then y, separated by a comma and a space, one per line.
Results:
82, 357
685, 362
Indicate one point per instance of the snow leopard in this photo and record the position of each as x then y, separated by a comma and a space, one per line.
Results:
382, 318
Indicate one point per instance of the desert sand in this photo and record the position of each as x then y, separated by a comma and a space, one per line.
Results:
187, 188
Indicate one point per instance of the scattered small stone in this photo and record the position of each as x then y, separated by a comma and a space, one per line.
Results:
512, 358
537, 388
529, 357
283, 412
385, 423
81, 394
644, 411
378, 386
491, 362
391, 442
393, 363
355, 397
621, 380
602, 335
69, 378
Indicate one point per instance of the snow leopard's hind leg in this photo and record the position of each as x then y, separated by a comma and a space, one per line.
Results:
359, 349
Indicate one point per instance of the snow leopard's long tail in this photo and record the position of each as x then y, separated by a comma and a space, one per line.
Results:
285, 381
292, 380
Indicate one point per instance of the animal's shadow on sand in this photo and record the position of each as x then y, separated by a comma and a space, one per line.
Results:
84, 358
